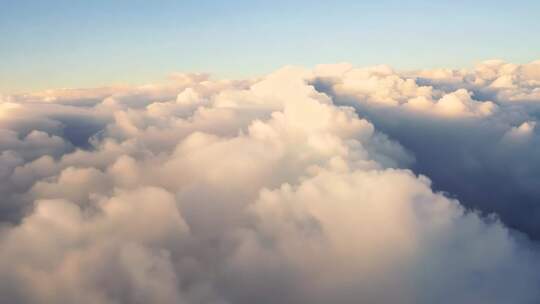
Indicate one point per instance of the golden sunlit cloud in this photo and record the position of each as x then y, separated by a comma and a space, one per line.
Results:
328, 185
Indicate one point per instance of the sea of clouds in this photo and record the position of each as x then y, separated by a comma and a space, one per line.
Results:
328, 185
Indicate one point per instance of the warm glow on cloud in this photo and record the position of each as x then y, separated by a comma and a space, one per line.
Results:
328, 185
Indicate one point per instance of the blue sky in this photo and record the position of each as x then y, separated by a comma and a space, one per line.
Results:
76, 43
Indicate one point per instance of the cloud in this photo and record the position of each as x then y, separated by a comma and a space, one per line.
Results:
378, 236
302, 186
472, 135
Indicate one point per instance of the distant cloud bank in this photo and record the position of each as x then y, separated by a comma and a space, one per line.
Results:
328, 185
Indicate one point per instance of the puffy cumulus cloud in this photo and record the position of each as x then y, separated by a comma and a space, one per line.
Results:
496, 79
384, 238
382, 87
116, 249
292, 188
471, 131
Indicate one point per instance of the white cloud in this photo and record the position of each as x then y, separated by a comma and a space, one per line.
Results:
292, 188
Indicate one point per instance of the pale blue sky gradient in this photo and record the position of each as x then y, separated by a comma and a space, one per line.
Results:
86, 43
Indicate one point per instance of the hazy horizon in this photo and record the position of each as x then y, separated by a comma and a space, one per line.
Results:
56, 44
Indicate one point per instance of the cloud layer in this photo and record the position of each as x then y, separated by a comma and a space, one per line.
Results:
473, 132
302, 186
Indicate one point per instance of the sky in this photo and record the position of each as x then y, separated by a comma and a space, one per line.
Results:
61, 43
376, 178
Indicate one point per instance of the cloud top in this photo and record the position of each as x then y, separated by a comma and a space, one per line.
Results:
336, 184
